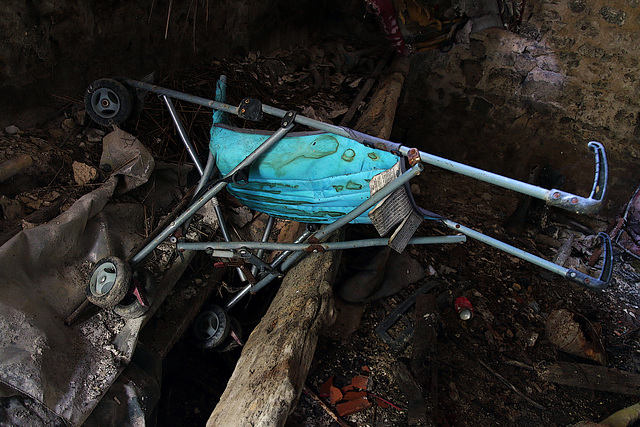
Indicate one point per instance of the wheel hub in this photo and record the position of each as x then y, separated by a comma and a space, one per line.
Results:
104, 278
105, 103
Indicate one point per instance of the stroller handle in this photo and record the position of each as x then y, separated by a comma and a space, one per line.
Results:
554, 197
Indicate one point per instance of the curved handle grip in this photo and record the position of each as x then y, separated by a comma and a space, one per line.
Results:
607, 268
593, 203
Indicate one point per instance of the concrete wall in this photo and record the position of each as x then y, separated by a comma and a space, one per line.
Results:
505, 101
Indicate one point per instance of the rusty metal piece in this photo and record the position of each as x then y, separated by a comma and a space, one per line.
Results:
413, 156
574, 334
315, 248
231, 262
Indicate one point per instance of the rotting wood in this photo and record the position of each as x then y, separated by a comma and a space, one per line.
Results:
365, 90
13, 166
417, 406
593, 377
273, 366
378, 117
424, 362
270, 374
40, 216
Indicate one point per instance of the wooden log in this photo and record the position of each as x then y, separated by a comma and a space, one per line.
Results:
270, 374
273, 366
417, 406
365, 90
377, 119
12, 166
593, 377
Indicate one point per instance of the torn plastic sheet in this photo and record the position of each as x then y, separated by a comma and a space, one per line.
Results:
123, 154
43, 362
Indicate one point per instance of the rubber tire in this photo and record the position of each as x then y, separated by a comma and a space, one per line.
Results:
206, 340
137, 98
130, 307
121, 281
117, 93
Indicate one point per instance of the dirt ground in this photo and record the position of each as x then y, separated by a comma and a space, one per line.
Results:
485, 371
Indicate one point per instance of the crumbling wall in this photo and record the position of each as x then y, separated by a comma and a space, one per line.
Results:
507, 100
58, 47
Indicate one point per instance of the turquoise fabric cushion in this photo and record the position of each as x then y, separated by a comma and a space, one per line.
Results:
312, 177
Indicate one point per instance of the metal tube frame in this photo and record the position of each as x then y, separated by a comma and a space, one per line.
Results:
229, 248
552, 197
212, 192
344, 220
294, 251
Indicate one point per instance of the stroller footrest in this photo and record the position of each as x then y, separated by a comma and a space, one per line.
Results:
395, 210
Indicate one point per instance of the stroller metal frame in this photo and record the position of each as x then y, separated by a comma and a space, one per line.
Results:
263, 273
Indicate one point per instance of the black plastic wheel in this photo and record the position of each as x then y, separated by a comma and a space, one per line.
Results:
137, 98
109, 282
211, 327
108, 102
130, 307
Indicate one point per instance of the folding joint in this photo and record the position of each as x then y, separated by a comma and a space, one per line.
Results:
250, 109
413, 156
315, 248
232, 262
288, 119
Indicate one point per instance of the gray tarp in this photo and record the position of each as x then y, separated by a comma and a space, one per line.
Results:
42, 278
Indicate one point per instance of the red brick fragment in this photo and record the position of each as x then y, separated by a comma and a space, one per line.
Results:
360, 382
335, 395
353, 406
325, 388
352, 395
346, 389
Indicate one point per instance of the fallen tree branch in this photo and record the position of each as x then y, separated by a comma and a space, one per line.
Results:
324, 406
512, 387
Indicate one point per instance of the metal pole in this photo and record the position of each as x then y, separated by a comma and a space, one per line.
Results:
318, 247
563, 200
536, 260
274, 264
326, 231
265, 238
183, 133
195, 207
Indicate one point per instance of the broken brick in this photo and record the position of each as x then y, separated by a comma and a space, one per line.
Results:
346, 389
353, 406
335, 395
352, 395
360, 382
326, 386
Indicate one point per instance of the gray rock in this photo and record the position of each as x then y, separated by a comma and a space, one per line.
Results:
12, 130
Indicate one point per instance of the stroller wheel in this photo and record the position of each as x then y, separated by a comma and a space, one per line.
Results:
137, 97
230, 343
109, 282
108, 102
130, 307
211, 327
